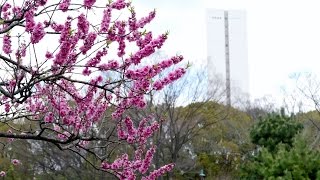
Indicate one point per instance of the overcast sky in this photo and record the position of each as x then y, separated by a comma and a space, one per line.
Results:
283, 36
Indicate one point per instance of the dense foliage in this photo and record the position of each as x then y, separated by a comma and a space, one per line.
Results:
299, 162
282, 154
273, 130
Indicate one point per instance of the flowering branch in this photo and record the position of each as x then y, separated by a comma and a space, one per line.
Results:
69, 77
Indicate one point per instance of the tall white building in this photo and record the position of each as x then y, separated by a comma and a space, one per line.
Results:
227, 51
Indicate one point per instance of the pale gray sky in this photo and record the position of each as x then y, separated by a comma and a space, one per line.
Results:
283, 36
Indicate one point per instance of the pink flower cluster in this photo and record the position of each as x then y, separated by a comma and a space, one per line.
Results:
15, 162
141, 42
12, 84
17, 11
88, 110
94, 61
137, 135
89, 3
119, 4
49, 55
64, 5
57, 27
7, 107
126, 169
147, 161
36, 30
37, 33
6, 7
5, 11
6, 44
83, 26
121, 37
148, 49
30, 23
159, 172
41, 2
134, 24
66, 54
71, 105
21, 51
151, 71
134, 99
132, 21
2, 173
106, 20
145, 20
111, 65
159, 84
88, 42
49, 118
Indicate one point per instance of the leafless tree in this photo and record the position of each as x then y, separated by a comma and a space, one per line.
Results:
304, 101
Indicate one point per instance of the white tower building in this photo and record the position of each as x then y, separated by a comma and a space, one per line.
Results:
227, 50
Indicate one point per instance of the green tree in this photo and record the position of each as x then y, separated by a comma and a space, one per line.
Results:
275, 129
282, 155
299, 162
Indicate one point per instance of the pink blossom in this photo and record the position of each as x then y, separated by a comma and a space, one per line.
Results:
95, 60
129, 124
6, 44
57, 27
121, 133
158, 85
148, 49
178, 73
141, 42
49, 55
83, 26
17, 11
64, 5
105, 20
146, 162
5, 7
112, 64
145, 20
6, 15
41, 2
88, 3
118, 4
30, 23
86, 71
65, 135
2, 173
37, 33
112, 36
7, 107
132, 20
15, 162
177, 59
121, 37
65, 31
73, 106
21, 52
105, 165
49, 118
88, 42
159, 172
